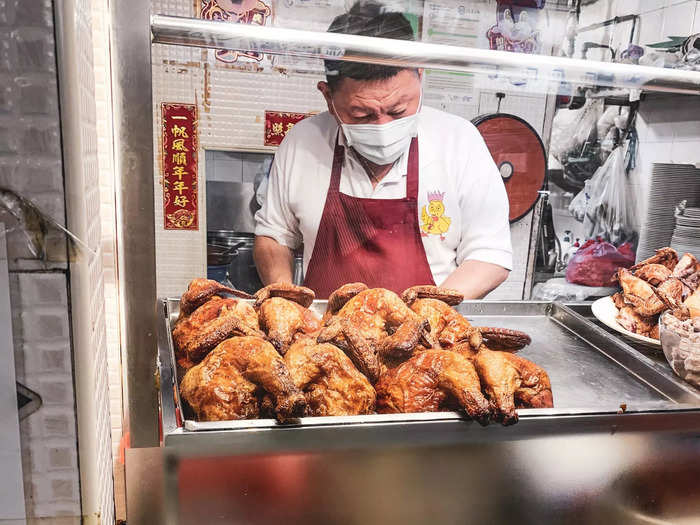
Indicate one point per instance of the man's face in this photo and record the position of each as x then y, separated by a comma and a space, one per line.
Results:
374, 101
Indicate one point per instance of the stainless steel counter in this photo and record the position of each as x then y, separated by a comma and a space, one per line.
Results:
638, 478
585, 461
600, 384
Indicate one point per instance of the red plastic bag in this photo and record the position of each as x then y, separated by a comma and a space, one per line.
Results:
596, 262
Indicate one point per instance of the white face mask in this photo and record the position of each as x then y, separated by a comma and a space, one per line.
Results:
382, 143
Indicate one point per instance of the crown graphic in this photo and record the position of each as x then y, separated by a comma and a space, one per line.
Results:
435, 195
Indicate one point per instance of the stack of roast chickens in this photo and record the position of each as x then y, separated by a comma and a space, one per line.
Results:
661, 282
374, 351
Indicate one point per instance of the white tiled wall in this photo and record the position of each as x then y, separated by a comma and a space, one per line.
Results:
31, 165
100, 25
668, 125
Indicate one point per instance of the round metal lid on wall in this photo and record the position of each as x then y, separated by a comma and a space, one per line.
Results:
519, 154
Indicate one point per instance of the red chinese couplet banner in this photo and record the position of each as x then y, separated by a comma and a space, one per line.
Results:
180, 157
278, 124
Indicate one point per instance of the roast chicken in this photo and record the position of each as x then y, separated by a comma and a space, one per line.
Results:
661, 282
331, 384
375, 328
235, 377
274, 357
212, 323
431, 381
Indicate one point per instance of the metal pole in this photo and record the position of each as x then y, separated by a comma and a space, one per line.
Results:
133, 161
354, 48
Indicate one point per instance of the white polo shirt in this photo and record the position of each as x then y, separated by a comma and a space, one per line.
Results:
454, 166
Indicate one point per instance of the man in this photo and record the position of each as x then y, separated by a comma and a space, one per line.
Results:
381, 189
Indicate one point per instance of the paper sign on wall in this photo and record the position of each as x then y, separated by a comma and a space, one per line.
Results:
180, 159
278, 124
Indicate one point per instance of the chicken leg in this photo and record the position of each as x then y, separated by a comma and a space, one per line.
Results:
230, 382
331, 384
429, 382
509, 381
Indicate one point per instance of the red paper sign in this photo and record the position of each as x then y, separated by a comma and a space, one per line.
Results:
180, 157
278, 124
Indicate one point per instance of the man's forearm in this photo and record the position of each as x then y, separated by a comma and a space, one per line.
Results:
273, 261
476, 278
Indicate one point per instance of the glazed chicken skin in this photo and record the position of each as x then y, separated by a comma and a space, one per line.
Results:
446, 324
299, 294
234, 377
210, 324
656, 284
654, 274
283, 321
446, 295
511, 381
632, 321
375, 328
639, 294
450, 328
199, 291
431, 381
664, 256
331, 384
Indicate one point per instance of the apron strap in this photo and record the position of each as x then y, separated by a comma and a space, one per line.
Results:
338, 159
411, 175
412, 171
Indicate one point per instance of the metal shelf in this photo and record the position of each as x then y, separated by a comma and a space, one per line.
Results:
354, 48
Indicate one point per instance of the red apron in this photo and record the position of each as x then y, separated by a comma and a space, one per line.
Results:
374, 241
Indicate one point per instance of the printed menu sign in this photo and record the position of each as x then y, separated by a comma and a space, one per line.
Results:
180, 157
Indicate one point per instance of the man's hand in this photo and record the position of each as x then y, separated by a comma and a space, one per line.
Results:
476, 278
273, 261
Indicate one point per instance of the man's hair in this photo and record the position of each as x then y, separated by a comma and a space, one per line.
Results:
366, 18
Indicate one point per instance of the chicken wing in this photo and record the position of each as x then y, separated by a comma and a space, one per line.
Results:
201, 290
210, 324
284, 320
343, 294
446, 324
665, 256
232, 379
509, 381
431, 381
451, 328
504, 338
331, 384
446, 295
299, 294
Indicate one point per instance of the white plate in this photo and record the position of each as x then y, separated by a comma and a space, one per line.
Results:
606, 312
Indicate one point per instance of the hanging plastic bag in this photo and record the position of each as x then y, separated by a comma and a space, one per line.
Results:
611, 210
597, 261
570, 134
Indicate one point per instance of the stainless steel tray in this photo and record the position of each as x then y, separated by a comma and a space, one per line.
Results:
592, 373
